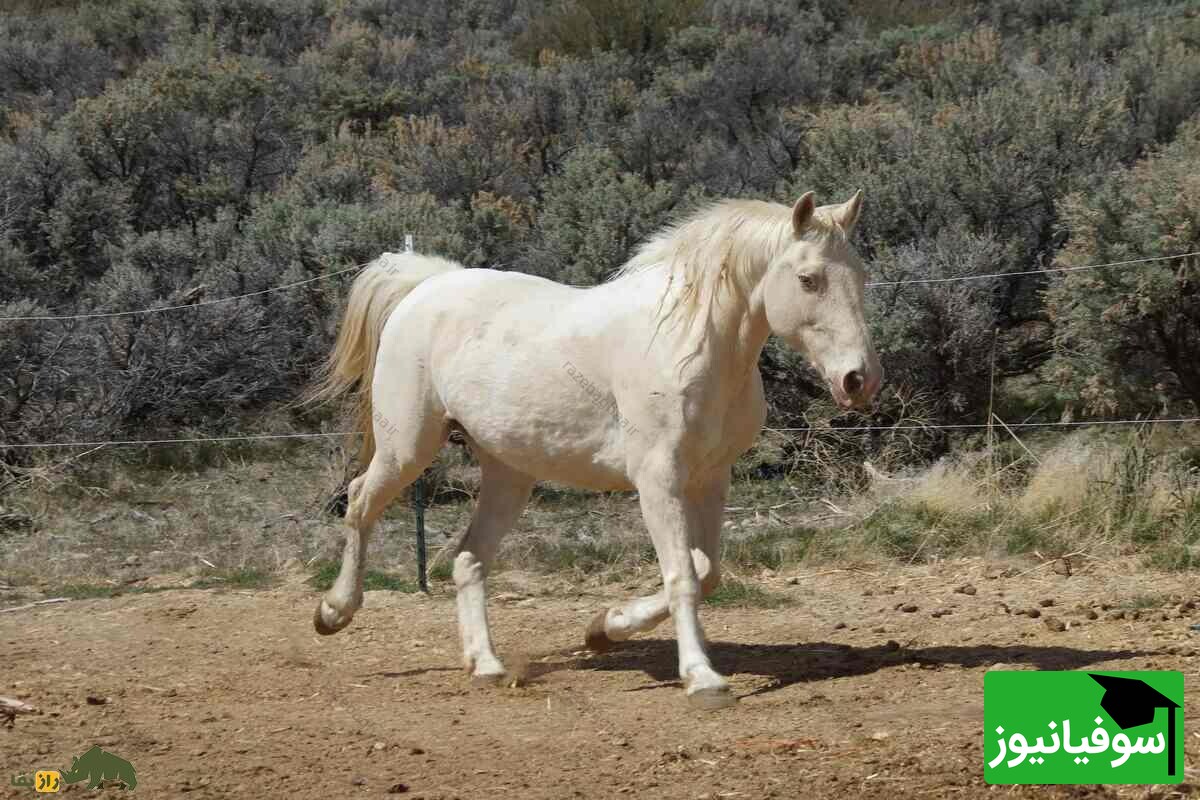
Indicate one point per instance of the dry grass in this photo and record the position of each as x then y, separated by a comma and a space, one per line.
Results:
1063, 476
951, 487
124, 520
1097, 495
205, 517
213, 519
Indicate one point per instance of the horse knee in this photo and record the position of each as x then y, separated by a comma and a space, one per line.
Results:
369, 494
708, 572
354, 501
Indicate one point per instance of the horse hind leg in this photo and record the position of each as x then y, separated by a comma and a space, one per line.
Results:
641, 614
503, 494
368, 495
390, 471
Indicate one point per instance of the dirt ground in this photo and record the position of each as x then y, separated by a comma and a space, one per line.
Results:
843, 692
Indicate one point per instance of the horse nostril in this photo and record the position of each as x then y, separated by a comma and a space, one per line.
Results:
853, 383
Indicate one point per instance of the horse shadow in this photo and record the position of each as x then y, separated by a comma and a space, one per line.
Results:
788, 664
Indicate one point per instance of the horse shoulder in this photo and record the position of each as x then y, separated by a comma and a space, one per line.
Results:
744, 418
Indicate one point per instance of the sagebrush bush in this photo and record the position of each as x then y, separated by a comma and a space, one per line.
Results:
1126, 339
159, 153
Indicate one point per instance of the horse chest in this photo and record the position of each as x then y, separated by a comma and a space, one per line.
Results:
728, 425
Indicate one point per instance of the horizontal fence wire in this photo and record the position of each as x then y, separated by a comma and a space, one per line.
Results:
197, 440
961, 278
181, 306
849, 429
356, 267
983, 425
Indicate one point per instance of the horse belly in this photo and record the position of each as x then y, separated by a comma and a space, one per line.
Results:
521, 371
579, 468
536, 426
553, 450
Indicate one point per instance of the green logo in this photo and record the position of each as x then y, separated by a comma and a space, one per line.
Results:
1083, 727
96, 765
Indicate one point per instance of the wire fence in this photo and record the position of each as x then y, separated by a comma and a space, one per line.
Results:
1043, 271
181, 306
409, 249
197, 440
848, 429
408, 245
419, 493
983, 425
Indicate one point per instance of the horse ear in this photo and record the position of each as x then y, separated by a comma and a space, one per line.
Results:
847, 213
802, 212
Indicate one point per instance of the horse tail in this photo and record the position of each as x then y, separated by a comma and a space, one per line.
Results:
350, 368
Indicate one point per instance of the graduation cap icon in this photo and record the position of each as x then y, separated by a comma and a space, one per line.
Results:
1132, 702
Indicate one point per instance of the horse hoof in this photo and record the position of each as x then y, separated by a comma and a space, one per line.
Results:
327, 628
711, 699
488, 681
597, 639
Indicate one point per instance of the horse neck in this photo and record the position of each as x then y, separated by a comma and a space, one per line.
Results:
729, 329
738, 329
723, 256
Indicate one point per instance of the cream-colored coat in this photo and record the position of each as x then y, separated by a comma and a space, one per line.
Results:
648, 382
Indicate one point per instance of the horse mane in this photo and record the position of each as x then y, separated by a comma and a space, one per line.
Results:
724, 246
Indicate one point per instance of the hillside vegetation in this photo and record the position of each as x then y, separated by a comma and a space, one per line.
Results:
153, 153
162, 153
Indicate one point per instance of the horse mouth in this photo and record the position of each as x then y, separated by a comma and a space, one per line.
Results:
843, 400
848, 402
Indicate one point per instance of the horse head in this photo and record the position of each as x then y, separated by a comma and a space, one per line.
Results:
813, 292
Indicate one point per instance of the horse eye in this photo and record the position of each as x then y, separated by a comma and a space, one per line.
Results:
807, 283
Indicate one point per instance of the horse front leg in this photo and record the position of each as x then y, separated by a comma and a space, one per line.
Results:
675, 519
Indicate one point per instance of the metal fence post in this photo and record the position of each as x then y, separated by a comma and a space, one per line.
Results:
418, 494
419, 510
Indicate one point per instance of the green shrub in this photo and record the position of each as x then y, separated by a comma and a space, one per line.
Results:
1125, 338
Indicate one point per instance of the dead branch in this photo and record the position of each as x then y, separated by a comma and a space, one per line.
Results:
9, 708
32, 605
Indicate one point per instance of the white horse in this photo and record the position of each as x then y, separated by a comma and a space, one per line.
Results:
646, 382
